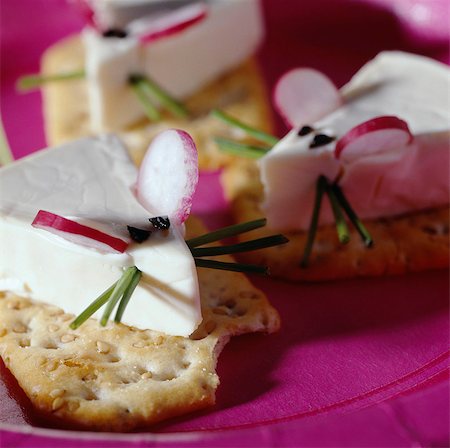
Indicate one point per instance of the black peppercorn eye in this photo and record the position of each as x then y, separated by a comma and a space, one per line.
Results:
321, 140
160, 222
305, 130
115, 32
138, 235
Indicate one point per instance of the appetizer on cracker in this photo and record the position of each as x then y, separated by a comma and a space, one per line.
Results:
373, 158
140, 67
102, 299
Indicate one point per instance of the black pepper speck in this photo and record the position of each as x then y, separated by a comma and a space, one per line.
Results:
115, 32
138, 235
321, 140
160, 222
305, 130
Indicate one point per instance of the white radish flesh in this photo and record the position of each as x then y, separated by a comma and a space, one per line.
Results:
304, 95
78, 233
168, 176
376, 135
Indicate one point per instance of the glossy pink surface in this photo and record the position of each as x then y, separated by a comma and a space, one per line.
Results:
356, 363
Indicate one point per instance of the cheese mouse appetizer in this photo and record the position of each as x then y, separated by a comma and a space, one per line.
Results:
378, 149
112, 312
140, 67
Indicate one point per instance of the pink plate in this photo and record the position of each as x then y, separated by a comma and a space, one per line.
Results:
362, 362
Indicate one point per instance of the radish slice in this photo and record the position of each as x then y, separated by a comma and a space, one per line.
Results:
151, 29
78, 233
303, 95
376, 135
168, 176
86, 11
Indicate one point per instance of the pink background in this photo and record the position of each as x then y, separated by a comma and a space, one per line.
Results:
356, 363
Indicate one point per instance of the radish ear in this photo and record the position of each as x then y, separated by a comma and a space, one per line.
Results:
376, 135
168, 176
151, 29
304, 95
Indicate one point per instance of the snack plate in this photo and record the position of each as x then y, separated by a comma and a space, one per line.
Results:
357, 362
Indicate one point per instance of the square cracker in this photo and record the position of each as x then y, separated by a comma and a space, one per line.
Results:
117, 378
408, 243
240, 93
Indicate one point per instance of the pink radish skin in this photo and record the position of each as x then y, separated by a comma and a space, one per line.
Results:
304, 95
168, 176
78, 233
376, 135
173, 22
84, 8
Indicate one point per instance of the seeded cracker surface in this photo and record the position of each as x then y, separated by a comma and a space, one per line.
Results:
118, 378
409, 243
240, 93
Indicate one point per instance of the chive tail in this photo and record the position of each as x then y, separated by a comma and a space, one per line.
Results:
226, 232
241, 149
320, 189
150, 110
117, 293
151, 89
30, 82
260, 243
236, 267
6, 156
363, 232
249, 130
127, 295
341, 226
93, 307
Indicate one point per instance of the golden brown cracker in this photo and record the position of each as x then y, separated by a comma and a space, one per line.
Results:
117, 378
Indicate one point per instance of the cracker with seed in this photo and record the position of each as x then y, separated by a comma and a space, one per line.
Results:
118, 378
240, 93
408, 243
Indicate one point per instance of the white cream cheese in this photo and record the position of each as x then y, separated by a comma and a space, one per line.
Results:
180, 63
412, 177
92, 179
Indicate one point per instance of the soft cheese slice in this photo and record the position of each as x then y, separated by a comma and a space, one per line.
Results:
409, 178
181, 63
92, 180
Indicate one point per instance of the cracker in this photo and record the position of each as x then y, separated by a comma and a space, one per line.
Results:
408, 243
118, 378
240, 93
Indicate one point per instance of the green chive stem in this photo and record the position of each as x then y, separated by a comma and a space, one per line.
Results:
30, 82
363, 232
92, 308
127, 295
240, 149
150, 88
6, 155
236, 267
320, 189
341, 226
150, 110
249, 130
226, 232
117, 294
246, 246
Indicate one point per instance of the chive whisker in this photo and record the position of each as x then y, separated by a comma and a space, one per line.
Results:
226, 232
6, 155
363, 232
241, 149
137, 274
151, 89
141, 93
92, 308
246, 246
236, 267
117, 293
320, 189
249, 130
30, 82
341, 226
